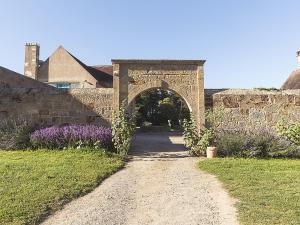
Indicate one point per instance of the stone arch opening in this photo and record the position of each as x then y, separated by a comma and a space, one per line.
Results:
132, 98
160, 107
184, 77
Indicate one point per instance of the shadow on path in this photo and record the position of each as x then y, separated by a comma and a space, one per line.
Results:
158, 146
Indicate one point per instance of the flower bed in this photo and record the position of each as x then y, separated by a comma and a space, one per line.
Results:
72, 136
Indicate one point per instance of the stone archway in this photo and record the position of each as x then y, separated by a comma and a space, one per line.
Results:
185, 77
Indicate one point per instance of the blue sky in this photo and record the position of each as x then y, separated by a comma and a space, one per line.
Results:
247, 43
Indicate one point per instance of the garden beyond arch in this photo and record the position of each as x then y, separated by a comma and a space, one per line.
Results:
185, 77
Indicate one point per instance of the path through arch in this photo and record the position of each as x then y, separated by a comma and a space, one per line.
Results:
154, 189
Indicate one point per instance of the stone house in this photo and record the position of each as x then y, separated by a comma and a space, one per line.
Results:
64, 70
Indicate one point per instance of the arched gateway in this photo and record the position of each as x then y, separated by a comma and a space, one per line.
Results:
185, 77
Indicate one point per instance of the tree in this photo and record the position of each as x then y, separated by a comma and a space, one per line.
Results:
157, 106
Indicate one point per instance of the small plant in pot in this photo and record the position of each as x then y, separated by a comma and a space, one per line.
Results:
205, 144
208, 142
213, 120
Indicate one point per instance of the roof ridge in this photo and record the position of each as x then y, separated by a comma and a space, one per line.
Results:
101, 65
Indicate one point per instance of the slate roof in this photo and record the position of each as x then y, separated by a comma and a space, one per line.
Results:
103, 76
105, 68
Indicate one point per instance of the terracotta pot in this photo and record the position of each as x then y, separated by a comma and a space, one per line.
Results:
211, 152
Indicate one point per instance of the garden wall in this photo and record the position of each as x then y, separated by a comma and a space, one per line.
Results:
208, 96
47, 105
22, 96
256, 108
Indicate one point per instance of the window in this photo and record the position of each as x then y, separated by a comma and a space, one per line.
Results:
65, 85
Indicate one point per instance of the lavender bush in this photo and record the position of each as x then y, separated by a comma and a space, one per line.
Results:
261, 142
14, 133
72, 136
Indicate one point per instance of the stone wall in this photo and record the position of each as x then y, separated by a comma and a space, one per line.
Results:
56, 106
253, 108
208, 96
23, 96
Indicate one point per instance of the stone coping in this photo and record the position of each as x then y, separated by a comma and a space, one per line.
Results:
157, 61
51, 90
258, 92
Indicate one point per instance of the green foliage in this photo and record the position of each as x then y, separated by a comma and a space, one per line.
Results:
231, 145
167, 111
267, 89
214, 117
190, 133
261, 146
123, 127
195, 142
158, 106
205, 140
267, 190
289, 131
15, 133
36, 183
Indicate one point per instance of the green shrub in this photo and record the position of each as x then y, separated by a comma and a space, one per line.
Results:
190, 133
214, 117
289, 131
267, 89
231, 145
197, 143
205, 140
260, 146
123, 127
15, 133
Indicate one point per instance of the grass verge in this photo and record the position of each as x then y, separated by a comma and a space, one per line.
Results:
268, 190
35, 183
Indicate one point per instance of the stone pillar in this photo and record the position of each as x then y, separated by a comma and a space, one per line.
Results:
201, 102
32, 51
120, 85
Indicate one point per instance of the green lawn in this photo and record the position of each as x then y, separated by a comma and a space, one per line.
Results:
268, 190
34, 183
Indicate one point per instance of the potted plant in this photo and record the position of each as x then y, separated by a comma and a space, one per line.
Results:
211, 152
205, 144
211, 149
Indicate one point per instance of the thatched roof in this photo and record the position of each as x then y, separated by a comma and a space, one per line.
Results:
293, 82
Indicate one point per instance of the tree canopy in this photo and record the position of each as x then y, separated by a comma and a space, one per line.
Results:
157, 106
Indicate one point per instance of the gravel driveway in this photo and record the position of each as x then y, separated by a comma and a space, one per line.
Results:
160, 185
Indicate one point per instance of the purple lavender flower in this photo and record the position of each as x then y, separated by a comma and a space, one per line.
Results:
72, 136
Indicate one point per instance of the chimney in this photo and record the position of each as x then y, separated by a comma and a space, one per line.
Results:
32, 52
298, 60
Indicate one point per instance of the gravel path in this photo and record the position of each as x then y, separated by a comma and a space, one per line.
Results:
160, 185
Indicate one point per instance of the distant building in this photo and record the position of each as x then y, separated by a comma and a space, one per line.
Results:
63, 70
293, 81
